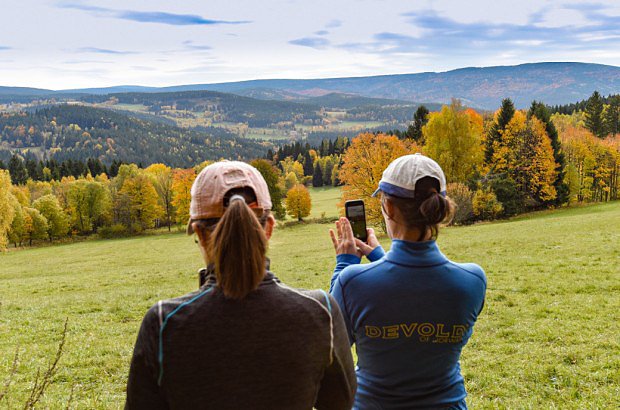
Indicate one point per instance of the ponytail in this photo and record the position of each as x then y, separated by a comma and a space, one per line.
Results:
238, 248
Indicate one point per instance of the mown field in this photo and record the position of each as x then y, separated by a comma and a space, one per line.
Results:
549, 335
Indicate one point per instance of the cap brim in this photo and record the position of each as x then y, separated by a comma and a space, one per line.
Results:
190, 228
374, 194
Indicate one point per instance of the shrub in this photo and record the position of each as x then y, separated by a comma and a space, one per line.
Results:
463, 197
114, 231
486, 205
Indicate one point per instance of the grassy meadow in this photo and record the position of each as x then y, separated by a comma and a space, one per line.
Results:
548, 337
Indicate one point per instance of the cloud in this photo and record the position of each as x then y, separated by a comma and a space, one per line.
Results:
321, 32
333, 24
97, 50
5, 48
148, 16
312, 42
440, 36
191, 46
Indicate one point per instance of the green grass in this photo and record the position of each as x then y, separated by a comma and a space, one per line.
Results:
324, 200
548, 336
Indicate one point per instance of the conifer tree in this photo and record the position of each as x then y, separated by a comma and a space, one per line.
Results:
19, 174
611, 116
594, 115
494, 137
317, 177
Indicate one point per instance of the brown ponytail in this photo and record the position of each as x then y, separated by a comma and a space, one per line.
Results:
427, 210
237, 248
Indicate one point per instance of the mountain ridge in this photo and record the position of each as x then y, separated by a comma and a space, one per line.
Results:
481, 87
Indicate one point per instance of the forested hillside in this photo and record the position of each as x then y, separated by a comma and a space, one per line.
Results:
78, 132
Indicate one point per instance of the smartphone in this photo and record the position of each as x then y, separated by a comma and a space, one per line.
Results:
356, 214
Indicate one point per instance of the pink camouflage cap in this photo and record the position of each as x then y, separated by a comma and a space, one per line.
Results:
215, 180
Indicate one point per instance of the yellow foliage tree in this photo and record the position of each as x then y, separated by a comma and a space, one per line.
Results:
182, 181
7, 208
298, 202
143, 201
162, 178
454, 139
363, 165
526, 154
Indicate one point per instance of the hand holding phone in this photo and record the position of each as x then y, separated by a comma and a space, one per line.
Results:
356, 214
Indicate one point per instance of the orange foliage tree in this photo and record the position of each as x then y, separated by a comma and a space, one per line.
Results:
363, 165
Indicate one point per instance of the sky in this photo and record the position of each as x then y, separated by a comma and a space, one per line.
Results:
63, 44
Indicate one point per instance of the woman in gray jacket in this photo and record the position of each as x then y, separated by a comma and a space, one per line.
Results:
243, 340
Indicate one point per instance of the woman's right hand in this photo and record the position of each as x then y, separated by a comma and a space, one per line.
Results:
367, 247
344, 242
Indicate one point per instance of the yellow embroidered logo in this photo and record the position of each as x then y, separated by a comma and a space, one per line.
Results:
426, 332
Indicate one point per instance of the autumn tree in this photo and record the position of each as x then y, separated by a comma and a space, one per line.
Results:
594, 115
363, 165
49, 207
182, 180
88, 202
540, 111
298, 202
7, 208
526, 155
162, 178
494, 136
17, 230
143, 202
36, 225
271, 176
290, 180
454, 139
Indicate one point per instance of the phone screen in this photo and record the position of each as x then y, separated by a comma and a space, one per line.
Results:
357, 216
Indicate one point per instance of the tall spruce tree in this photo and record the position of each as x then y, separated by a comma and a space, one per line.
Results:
19, 174
506, 112
540, 111
594, 115
317, 177
611, 116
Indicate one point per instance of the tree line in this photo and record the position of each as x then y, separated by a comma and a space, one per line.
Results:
497, 164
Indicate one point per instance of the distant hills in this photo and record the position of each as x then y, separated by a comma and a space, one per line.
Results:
552, 83
78, 132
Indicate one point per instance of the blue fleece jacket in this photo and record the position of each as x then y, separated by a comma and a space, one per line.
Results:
409, 313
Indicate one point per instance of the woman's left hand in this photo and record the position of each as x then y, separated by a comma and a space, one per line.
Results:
344, 242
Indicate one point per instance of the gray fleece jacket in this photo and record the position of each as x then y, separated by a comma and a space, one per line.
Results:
278, 348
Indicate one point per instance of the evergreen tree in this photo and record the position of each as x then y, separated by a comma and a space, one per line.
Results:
19, 174
317, 177
505, 114
540, 111
308, 163
594, 115
611, 116
420, 118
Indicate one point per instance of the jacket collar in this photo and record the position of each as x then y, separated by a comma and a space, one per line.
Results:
407, 253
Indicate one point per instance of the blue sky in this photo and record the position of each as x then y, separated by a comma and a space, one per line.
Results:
62, 44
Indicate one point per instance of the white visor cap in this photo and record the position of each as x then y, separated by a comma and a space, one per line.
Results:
400, 177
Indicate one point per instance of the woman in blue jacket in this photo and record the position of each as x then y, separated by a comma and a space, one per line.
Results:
411, 310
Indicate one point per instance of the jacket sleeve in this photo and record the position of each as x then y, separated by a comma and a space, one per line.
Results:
338, 386
143, 391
